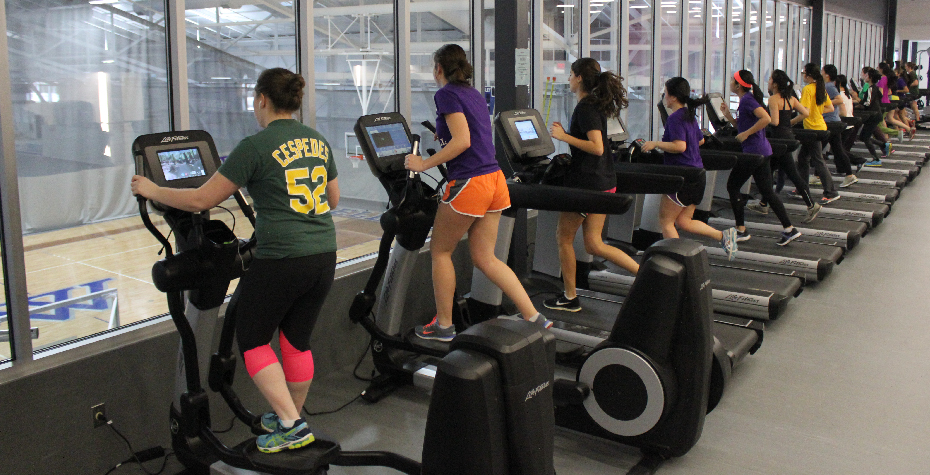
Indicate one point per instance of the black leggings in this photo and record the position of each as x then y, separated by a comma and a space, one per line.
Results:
869, 126
785, 163
812, 154
282, 293
840, 157
762, 172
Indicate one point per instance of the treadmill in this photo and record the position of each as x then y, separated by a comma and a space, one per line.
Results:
527, 144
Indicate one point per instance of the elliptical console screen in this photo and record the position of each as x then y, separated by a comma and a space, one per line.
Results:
526, 129
180, 164
389, 139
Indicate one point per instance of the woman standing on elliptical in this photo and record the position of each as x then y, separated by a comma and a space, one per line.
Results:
750, 122
814, 97
474, 198
781, 103
681, 143
600, 95
295, 261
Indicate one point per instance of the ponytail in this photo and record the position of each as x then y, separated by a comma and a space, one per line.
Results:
812, 71
454, 63
680, 89
842, 84
784, 86
605, 89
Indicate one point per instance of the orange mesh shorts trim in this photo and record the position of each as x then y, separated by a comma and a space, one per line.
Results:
478, 195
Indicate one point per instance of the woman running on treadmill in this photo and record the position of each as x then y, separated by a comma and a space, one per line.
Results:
871, 101
600, 95
294, 187
840, 156
814, 97
681, 143
474, 198
750, 123
782, 103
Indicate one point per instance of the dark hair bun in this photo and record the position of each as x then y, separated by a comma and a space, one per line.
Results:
284, 88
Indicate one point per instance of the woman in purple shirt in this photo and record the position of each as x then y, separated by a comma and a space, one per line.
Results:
474, 198
750, 122
681, 143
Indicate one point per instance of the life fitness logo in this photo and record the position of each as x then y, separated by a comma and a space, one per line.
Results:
533, 392
379, 119
176, 138
519, 113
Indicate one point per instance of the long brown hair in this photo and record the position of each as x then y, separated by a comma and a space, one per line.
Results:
454, 63
605, 89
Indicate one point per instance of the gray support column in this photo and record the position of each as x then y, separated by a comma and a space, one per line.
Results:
891, 27
14, 265
708, 58
623, 52
177, 65
658, 87
403, 98
539, 88
305, 46
584, 28
477, 43
816, 41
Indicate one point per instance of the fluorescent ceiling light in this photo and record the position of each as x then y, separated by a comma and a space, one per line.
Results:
566, 6
107, 61
102, 2
220, 77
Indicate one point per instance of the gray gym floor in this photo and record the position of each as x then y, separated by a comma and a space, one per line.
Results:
840, 385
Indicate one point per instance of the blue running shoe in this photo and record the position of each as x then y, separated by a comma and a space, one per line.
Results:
270, 422
728, 242
281, 439
543, 321
874, 163
434, 331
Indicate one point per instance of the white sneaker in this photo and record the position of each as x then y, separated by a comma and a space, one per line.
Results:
814, 180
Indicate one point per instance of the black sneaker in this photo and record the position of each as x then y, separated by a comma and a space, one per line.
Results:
788, 236
563, 303
742, 235
434, 331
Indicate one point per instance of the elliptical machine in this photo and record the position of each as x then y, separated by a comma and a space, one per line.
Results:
483, 385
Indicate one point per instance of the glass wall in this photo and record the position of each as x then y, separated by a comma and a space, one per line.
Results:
353, 62
87, 80
852, 44
639, 64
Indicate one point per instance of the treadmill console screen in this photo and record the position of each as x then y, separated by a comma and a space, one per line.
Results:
389, 139
526, 129
179, 164
524, 135
385, 140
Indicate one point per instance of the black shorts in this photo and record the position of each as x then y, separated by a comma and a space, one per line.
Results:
282, 293
691, 193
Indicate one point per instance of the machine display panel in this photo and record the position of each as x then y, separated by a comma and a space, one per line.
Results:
389, 139
181, 164
527, 129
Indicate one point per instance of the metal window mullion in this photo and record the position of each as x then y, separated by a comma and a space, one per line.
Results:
708, 60
584, 28
776, 19
303, 19
536, 38
177, 64
477, 43
728, 46
403, 96
623, 66
762, 36
683, 31
657, 85
14, 264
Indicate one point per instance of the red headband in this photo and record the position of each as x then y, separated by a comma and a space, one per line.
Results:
740, 81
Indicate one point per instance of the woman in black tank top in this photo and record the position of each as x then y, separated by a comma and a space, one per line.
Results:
781, 105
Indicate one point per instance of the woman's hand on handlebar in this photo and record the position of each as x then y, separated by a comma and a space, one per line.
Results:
650, 145
742, 136
414, 163
142, 186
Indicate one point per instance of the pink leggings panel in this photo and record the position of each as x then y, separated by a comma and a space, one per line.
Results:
298, 365
258, 359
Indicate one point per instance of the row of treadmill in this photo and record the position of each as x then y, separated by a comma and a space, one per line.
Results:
643, 362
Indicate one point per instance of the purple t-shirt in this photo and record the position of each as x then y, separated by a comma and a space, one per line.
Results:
745, 119
678, 127
480, 158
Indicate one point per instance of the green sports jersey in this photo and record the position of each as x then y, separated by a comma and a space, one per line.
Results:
286, 168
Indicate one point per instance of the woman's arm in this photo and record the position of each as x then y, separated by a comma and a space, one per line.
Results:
764, 119
725, 110
594, 145
803, 112
332, 193
677, 146
828, 107
210, 194
461, 141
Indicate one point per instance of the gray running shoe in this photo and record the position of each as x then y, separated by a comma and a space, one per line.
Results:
758, 207
812, 212
434, 331
849, 180
788, 236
